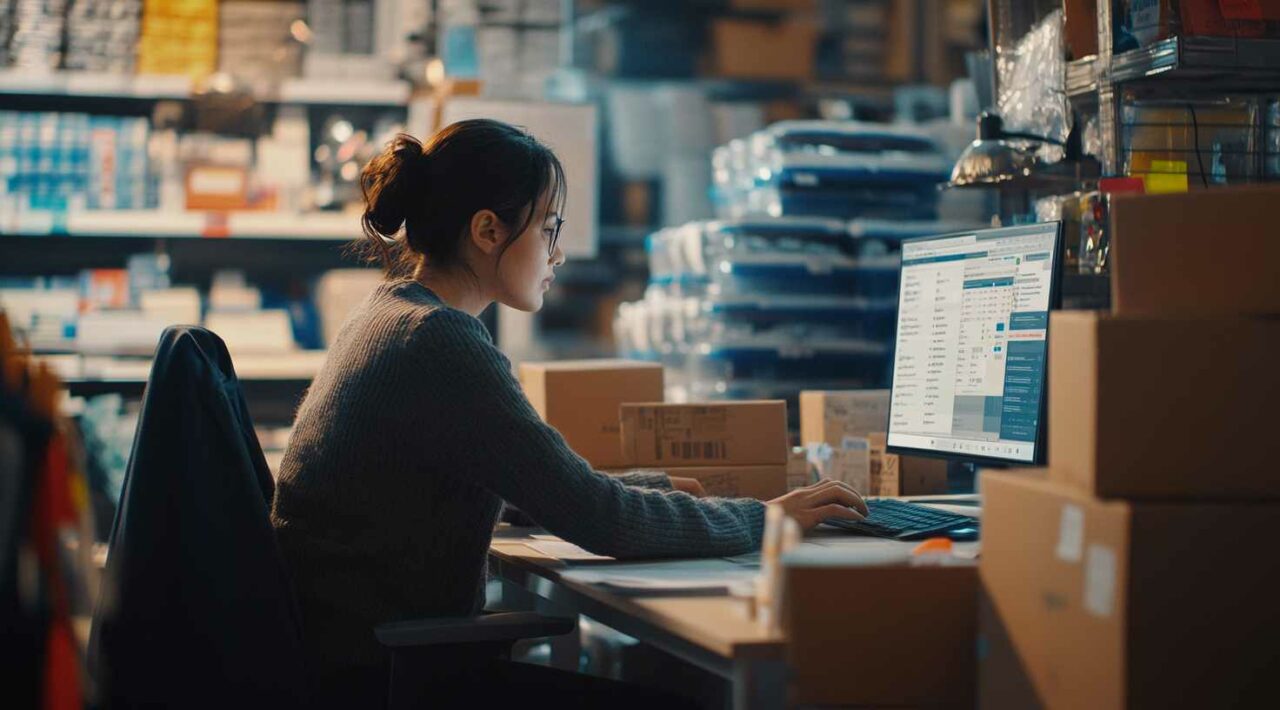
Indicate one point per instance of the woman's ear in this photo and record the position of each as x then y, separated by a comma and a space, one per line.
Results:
487, 232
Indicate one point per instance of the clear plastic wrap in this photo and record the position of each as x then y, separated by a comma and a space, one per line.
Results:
1033, 97
1271, 140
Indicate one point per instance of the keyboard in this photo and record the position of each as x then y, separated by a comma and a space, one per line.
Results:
900, 520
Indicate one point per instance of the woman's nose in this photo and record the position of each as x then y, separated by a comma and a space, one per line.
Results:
557, 259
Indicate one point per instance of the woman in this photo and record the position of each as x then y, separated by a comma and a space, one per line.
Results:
415, 430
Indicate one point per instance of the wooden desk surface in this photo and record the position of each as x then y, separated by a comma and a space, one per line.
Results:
720, 624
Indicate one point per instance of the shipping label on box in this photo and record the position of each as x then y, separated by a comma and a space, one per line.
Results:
705, 434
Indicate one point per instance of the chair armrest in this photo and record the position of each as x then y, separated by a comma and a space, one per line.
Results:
503, 626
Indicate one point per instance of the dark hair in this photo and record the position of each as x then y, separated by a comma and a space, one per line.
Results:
433, 190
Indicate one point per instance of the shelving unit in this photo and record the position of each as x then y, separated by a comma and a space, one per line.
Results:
153, 224
141, 87
1176, 68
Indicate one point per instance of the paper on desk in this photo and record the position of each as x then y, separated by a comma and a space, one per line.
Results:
620, 584
667, 577
565, 551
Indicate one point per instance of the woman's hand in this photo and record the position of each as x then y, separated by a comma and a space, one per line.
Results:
688, 485
825, 499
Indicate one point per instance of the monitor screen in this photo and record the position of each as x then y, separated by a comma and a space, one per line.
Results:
969, 357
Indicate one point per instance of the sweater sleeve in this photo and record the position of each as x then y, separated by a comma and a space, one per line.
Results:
493, 438
656, 480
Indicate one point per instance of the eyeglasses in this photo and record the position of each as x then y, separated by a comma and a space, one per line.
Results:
555, 236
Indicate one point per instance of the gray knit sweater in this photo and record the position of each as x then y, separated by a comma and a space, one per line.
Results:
409, 439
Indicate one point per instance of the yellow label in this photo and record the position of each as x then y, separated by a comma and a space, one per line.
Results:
1166, 176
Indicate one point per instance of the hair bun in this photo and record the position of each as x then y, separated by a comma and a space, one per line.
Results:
392, 183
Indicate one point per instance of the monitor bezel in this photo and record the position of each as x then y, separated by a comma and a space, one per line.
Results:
1055, 303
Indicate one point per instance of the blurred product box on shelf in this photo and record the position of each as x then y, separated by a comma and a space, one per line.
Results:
264, 331
1081, 30
340, 291
705, 434
102, 35
749, 49
217, 187
581, 400
828, 417
255, 42
1211, 252
179, 37
760, 482
1163, 408
63, 162
1092, 604
919, 616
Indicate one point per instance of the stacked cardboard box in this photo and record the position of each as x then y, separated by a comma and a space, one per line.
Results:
581, 399
1135, 571
610, 412
845, 433
737, 449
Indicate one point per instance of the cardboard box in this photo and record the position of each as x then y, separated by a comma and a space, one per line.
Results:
1208, 252
749, 49
1081, 30
1164, 408
799, 474
759, 482
581, 400
879, 636
1250, 9
850, 463
1109, 604
828, 416
897, 475
707, 434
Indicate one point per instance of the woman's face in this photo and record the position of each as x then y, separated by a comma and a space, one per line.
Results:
527, 268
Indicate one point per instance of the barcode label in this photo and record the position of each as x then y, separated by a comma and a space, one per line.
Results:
698, 450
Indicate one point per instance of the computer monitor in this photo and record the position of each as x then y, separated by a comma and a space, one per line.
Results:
971, 345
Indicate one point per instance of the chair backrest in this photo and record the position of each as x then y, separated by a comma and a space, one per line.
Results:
196, 606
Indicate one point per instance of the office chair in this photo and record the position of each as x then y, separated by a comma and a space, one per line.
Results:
196, 607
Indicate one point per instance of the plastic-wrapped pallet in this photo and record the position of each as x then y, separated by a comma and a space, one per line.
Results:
255, 40
179, 37
840, 169
102, 35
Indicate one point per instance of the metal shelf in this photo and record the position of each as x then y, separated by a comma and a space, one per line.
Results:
142, 87
1082, 78
154, 224
1223, 63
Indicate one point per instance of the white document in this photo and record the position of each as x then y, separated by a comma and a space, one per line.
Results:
566, 551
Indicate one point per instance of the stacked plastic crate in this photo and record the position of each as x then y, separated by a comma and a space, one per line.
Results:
796, 286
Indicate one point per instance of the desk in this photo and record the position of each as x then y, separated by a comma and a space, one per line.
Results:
713, 633
716, 634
